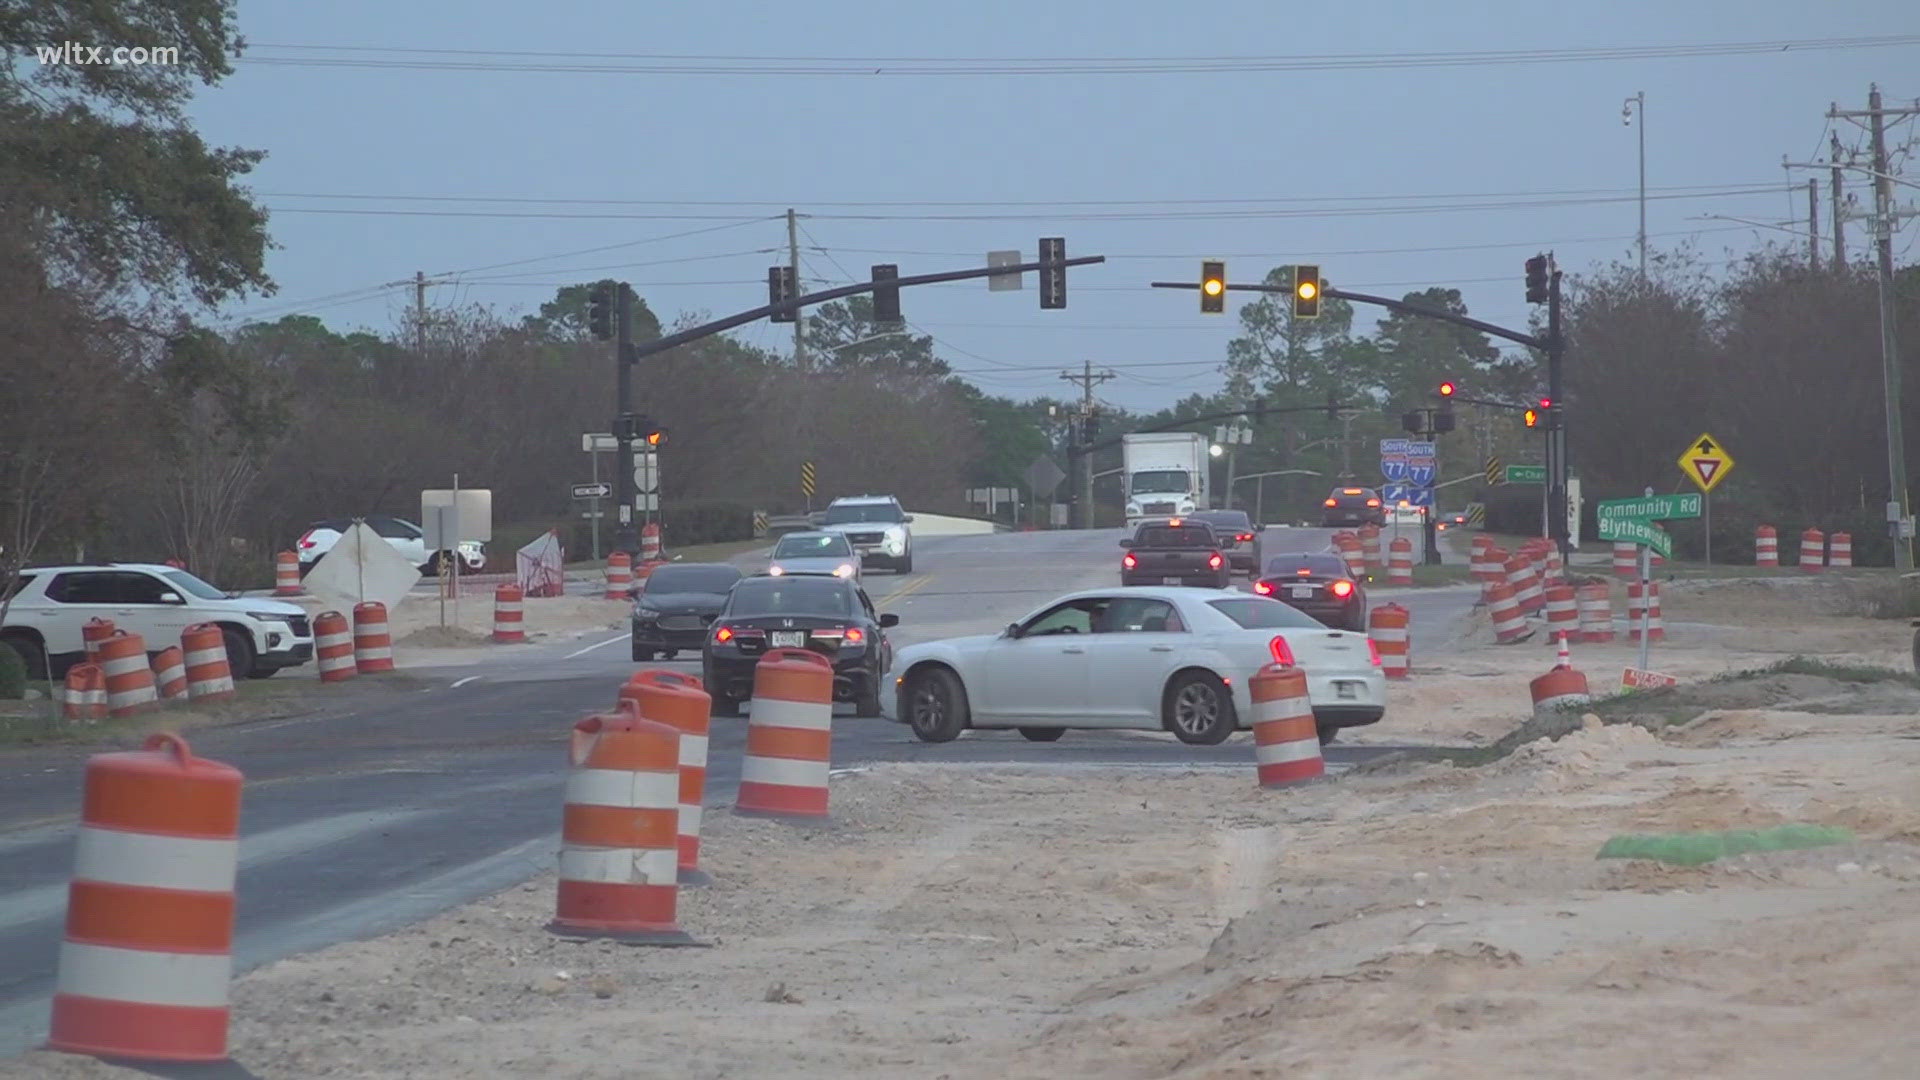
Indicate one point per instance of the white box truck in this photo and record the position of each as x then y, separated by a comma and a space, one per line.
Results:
1166, 474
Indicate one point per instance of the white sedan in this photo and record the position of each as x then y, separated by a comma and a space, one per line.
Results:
1158, 658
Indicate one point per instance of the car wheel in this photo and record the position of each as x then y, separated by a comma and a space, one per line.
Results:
262, 671
239, 652
936, 706
866, 704
32, 656
1328, 734
906, 564
641, 656
724, 705
668, 654
1198, 709
1042, 734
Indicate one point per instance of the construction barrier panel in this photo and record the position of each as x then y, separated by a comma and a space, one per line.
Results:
1400, 561
650, 542
1813, 544
1525, 584
1840, 551
1387, 629
1348, 545
1596, 612
1286, 743
1766, 546
333, 647
1563, 612
1509, 622
680, 701
372, 642
789, 737
209, 677
92, 633
619, 575
286, 574
130, 689
1626, 559
509, 614
618, 868
170, 673
148, 953
84, 697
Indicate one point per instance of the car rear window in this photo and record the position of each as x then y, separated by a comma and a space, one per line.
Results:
1233, 520
1315, 565
1259, 613
692, 579
1175, 536
828, 598
19, 583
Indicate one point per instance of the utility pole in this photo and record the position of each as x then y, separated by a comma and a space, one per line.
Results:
1088, 379
1813, 225
1636, 109
1557, 466
1346, 443
793, 261
625, 537
1885, 219
420, 312
1839, 217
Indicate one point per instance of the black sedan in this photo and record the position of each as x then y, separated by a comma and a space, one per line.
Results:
673, 607
1238, 537
828, 615
1317, 585
1353, 506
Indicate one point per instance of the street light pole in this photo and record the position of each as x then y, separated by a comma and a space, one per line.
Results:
1634, 108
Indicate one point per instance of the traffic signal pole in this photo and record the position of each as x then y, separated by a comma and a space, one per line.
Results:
1557, 473
625, 537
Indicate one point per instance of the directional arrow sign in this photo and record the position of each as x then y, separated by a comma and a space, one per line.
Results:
1706, 462
592, 491
1649, 508
1637, 531
1526, 474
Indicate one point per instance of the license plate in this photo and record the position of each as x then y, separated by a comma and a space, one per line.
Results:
1303, 592
1170, 581
1346, 691
789, 639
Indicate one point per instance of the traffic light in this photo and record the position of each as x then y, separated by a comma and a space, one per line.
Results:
1443, 419
782, 286
1213, 287
1537, 280
1414, 420
1447, 388
886, 299
600, 312
1546, 403
1053, 272
654, 435
1306, 292
1532, 417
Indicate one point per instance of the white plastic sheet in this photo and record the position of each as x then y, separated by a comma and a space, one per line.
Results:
362, 567
540, 567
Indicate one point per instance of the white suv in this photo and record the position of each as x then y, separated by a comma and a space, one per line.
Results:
876, 526
51, 604
406, 538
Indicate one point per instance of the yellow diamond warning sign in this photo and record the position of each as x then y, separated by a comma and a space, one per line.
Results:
1706, 462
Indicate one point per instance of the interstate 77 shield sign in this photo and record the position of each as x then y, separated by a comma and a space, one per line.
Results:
1706, 462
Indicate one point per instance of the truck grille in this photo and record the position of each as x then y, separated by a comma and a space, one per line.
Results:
1158, 507
866, 538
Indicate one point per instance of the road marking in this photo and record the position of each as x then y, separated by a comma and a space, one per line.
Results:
909, 587
462, 682
590, 648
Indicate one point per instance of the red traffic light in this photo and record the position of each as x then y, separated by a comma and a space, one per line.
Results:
1546, 403
1446, 389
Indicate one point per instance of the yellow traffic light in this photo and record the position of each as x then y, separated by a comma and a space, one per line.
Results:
1446, 389
1306, 292
1532, 417
1213, 287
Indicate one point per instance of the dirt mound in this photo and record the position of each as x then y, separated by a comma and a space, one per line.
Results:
1744, 693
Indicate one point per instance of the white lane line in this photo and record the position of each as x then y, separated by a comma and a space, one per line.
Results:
602, 645
462, 682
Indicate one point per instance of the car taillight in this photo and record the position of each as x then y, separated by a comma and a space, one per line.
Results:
1282, 652
1342, 588
1244, 536
1331, 502
1373, 502
725, 633
1129, 562
1263, 588
1373, 652
855, 635
307, 540
1214, 560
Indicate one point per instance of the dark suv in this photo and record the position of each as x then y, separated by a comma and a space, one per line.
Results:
828, 615
1175, 552
1354, 506
1238, 536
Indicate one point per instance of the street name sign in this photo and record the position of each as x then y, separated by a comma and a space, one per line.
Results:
1649, 508
1706, 462
1526, 474
1637, 531
599, 490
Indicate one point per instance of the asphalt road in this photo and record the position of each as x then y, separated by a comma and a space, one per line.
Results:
425, 790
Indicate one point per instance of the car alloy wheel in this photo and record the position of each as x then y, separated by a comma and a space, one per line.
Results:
1199, 710
935, 707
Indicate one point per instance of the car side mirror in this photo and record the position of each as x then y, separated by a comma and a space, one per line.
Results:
1126, 542
1013, 630
1259, 528
889, 620
908, 519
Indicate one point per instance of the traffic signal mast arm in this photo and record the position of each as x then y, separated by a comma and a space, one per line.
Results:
717, 326
1230, 414
1530, 340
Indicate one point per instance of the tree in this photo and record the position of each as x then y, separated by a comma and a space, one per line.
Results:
1415, 353
842, 335
1290, 361
100, 158
564, 318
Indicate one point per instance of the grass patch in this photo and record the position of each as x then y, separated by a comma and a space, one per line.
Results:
1431, 576
30, 723
1827, 669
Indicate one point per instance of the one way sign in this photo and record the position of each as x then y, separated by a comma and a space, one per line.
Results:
1706, 462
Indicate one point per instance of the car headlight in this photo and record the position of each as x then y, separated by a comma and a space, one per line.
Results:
776, 570
268, 616
843, 570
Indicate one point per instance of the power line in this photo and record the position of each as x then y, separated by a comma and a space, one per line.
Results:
605, 247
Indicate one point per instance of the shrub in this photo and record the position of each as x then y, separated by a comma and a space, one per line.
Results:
13, 674
706, 521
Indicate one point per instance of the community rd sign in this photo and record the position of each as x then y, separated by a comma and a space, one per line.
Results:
1633, 520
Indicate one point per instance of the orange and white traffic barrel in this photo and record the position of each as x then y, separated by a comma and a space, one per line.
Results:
1348, 545
170, 673
1387, 629
1813, 543
1555, 569
1766, 546
509, 613
123, 659
148, 953
1656, 630
209, 677
1286, 742
93, 632
84, 696
286, 574
372, 642
1558, 689
1595, 604
1400, 561
1626, 559
1370, 547
1509, 622
679, 701
618, 869
333, 647
1479, 561
789, 737
1563, 612
619, 575
1840, 551
1493, 566
650, 542
1525, 584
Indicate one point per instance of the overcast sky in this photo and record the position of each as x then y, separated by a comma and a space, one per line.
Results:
1392, 175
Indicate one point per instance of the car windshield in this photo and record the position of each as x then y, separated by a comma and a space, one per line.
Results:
1159, 480
692, 579
193, 586
1259, 613
1314, 565
812, 547
863, 513
789, 596
1235, 520
1174, 536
